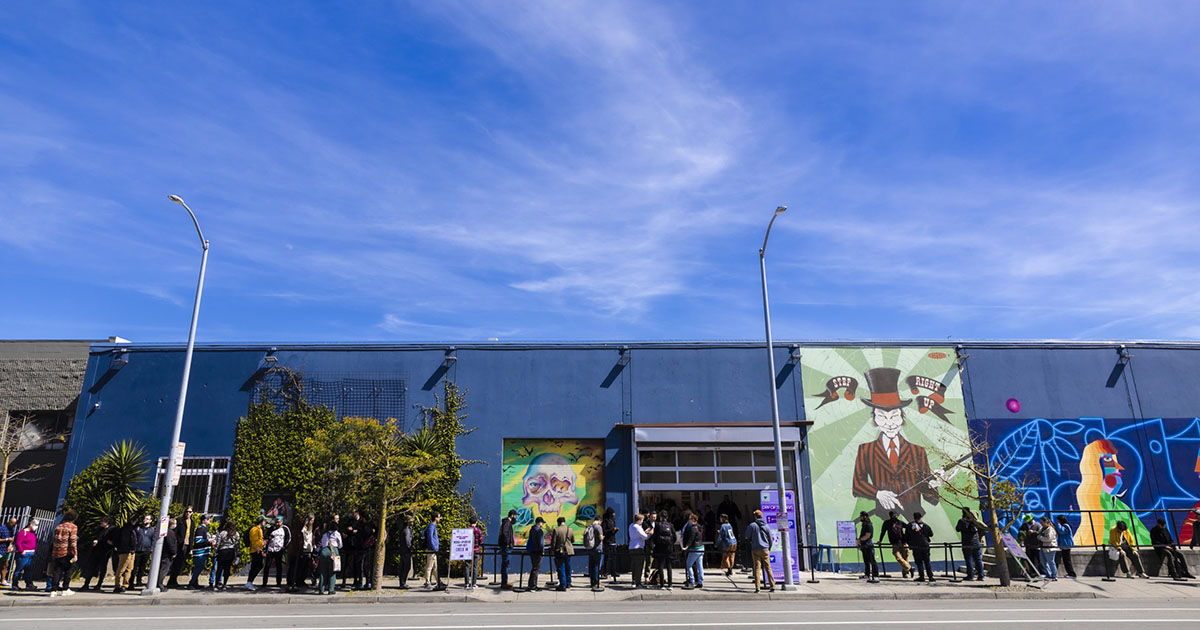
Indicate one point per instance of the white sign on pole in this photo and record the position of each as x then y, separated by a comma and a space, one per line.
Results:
162, 526
178, 465
462, 544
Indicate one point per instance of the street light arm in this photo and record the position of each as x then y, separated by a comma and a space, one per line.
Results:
762, 251
178, 200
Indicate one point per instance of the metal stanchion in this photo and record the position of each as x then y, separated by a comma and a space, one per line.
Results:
882, 562
949, 550
812, 566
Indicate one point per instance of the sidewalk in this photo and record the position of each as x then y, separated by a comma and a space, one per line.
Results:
717, 587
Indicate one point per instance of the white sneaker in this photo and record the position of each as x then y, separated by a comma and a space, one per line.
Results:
68, 592
53, 593
251, 587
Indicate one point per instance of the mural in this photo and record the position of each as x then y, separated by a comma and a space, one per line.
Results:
877, 451
1123, 469
552, 478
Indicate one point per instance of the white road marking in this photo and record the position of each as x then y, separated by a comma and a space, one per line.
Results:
725, 624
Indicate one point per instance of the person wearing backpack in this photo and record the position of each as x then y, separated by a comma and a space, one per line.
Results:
759, 539
969, 528
727, 544
535, 546
663, 541
593, 541
866, 544
562, 545
917, 535
893, 530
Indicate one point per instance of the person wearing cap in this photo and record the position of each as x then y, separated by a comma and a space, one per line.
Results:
866, 544
1164, 548
1027, 535
505, 542
918, 535
535, 546
969, 529
1120, 540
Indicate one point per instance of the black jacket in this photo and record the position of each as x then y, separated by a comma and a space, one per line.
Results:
170, 544
969, 531
893, 528
917, 534
405, 540
127, 539
506, 534
693, 535
866, 532
664, 539
1159, 536
609, 526
106, 540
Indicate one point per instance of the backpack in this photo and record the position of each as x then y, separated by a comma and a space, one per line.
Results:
589, 537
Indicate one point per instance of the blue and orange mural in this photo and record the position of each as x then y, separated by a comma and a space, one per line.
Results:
1120, 469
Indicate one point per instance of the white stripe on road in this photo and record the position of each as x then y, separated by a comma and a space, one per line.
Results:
606, 613
725, 624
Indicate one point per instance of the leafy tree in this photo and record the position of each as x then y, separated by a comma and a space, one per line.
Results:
112, 485
368, 462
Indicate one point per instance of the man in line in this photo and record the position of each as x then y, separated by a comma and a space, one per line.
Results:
201, 548
562, 545
610, 545
917, 535
1027, 535
102, 548
759, 539
866, 544
476, 563
1164, 547
366, 554
170, 549
8, 535
183, 532
648, 526
404, 544
143, 550
62, 553
352, 551
127, 540
1066, 536
535, 546
969, 529
637, 546
893, 529
429, 540
1120, 539
593, 542
278, 539
505, 542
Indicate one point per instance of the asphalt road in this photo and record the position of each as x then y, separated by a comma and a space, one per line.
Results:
654, 615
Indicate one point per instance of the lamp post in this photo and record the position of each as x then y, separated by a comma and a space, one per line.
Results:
168, 488
783, 518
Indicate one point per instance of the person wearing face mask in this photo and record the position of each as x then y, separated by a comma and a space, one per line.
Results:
25, 544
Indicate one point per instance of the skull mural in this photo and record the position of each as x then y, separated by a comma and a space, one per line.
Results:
550, 484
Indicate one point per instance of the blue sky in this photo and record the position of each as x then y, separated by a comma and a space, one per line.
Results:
579, 171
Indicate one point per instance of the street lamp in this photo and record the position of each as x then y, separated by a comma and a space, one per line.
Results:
152, 585
783, 518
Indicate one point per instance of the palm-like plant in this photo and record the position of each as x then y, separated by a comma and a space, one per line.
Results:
112, 485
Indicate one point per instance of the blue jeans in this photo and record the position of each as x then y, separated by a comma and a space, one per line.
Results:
595, 561
1049, 565
199, 562
563, 563
693, 567
974, 556
24, 561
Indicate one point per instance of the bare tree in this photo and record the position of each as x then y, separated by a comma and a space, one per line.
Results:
16, 435
994, 489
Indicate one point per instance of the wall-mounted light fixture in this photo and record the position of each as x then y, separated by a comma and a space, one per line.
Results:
624, 357
120, 359
1123, 354
271, 358
960, 356
795, 353
449, 358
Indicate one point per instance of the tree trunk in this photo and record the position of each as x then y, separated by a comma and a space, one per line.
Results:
998, 549
4, 479
380, 545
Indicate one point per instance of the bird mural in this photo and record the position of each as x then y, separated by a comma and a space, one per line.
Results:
1100, 494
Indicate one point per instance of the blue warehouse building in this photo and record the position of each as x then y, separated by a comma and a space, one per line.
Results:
688, 423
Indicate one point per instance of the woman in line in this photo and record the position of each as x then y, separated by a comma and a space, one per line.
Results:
331, 545
226, 545
26, 546
727, 543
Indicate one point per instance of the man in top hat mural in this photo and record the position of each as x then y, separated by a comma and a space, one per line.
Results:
890, 470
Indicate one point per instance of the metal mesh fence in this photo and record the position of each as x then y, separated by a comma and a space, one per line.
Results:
379, 396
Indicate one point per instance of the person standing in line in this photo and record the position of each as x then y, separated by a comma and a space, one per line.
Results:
758, 537
226, 547
25, 544
1048, 537
351, 537
277, 538
201, 550
183, 532
404, 543
663, 542
170, 549
258, 551
917, 535
893, 530
1027, 535
366, 554
63, 550
127, 540
300, 555
866, 544
969, 529
505, 542
637, 545
535, 546
1121, 541
331, 549
726, 541
648, 527
1066, 541
593, 542
693, 542
102, 548
611, 567
562, 545
8, 534
1164, 548
476, 553
142, 551
429, 540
